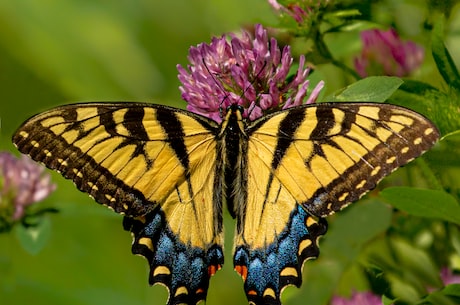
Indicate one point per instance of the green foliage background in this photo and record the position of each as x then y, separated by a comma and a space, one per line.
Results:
55, 52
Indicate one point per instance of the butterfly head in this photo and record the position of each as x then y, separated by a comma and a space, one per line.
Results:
233, 119
235, 109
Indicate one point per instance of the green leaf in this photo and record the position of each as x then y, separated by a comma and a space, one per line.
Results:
402, 289
423, 202
417, 87
34, 238
418, 265
346, 233
420, 96
452, 290
409, 270
440, 107
345, 13
441, 55
450, 295
370, 89
387, 301
355, 26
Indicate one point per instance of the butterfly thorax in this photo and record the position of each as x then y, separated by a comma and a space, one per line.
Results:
234, 140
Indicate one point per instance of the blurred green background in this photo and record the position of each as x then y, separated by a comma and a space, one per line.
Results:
55, 52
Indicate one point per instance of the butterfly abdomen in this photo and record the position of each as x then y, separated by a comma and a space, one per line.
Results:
234, 141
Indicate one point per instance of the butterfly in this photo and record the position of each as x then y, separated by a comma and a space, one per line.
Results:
170, 172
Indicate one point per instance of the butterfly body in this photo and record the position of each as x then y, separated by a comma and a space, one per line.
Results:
171, 172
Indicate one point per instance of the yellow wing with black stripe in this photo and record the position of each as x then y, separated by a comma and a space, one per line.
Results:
147, 162
306, 163
170, 170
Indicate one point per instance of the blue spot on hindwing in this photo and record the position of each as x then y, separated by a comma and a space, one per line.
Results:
163, 250
265, 265
182, 268
154, 226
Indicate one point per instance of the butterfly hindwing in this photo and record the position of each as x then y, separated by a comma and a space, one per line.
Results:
184, 269
306, 163
145, 161
267, 269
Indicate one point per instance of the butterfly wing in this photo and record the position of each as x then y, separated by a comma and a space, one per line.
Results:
144, 161
306, 163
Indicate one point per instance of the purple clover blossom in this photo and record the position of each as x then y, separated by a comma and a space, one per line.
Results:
251, 72
384, 53
358, 298
22, 183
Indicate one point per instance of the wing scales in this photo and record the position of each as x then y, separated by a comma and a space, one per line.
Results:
162, 167
145, 161
276, 234
319, 157
364, 143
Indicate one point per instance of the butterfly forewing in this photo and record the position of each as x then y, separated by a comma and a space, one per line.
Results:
329, 155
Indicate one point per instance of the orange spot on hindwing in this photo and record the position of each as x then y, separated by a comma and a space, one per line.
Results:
242, 270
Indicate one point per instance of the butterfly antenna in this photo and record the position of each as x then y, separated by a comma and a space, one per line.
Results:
252, 106
219, 84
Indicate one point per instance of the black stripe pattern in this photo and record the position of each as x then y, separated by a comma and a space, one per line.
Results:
107, 148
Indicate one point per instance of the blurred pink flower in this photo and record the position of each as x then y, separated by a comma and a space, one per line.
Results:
358, 298
384, 53
22, 183
250, 72
448, 277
